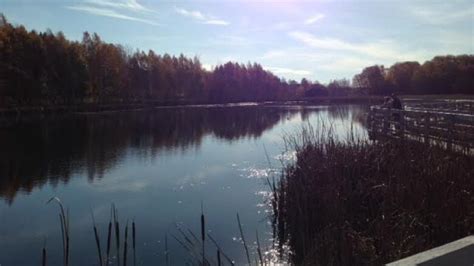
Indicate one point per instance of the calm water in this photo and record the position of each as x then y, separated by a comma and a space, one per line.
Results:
156, 166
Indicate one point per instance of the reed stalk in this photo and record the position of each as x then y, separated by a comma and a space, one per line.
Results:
203, 235
259, 250
219, 258
125, 246
64, 222
109, 235
133, 242
243, 240
97, 240
43, 254
117, 235
231, 262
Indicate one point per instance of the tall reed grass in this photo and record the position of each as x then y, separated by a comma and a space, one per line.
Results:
194, 246
355, 202
64, 222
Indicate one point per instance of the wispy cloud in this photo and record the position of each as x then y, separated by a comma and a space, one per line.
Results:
346, 64
314, 19
131, 5
120, 9
383, 49
288, 71
105, 12
216, 22
199, 16
333, 61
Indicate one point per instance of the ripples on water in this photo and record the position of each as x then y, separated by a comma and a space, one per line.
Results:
156, 166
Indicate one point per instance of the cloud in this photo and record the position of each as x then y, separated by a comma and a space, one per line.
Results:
347, 64
131, 5
217, 22
314, 19
330, 61
288, 71
383, 49
109, 13
205, 19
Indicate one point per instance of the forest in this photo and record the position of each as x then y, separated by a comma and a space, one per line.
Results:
47, 69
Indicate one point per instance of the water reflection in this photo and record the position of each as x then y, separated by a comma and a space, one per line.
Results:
51, 151
156, 166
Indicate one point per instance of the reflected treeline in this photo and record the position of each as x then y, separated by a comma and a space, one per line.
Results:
52, 150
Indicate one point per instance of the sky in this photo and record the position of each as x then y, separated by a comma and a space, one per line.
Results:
319, 40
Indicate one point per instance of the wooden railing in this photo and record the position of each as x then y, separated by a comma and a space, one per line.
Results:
446, 129
465, 106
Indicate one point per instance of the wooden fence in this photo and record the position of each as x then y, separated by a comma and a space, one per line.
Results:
464, 106
447, 129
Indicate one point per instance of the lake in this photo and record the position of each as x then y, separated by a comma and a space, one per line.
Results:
157, 166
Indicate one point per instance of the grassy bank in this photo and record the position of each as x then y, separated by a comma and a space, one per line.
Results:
361, 203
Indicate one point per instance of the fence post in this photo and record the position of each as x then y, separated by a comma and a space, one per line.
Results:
386, 121
426, 134
402, 124
450, 137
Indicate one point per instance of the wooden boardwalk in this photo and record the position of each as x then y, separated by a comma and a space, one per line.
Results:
464, 106
436, 126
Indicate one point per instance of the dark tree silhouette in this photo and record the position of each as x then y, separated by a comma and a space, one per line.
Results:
46, 69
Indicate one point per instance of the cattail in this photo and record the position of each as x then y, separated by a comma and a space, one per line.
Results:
133, 242
97, 240
218, 258
203, 235
109, 236
125, 246
43, 254
117, 235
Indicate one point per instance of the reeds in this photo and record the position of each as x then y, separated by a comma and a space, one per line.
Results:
133, 243
355, 202
114, 222
259, 250
109, 235
220, 251
125, 246
194, 246
117, 233
43, 254
203, 234
97, 239
64, 222
243, 240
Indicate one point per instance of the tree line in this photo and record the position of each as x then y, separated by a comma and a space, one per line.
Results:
47, 69
441, 75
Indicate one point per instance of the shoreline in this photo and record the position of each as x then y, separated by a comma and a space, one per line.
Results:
105, 107
96, 108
